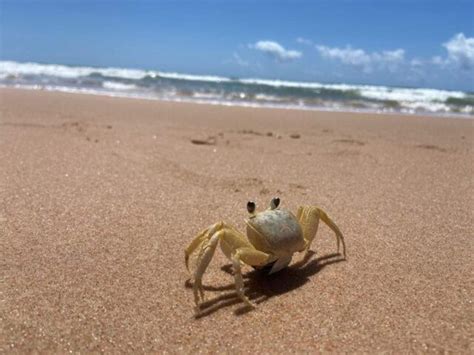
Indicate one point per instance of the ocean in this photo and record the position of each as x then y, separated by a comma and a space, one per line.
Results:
252, 92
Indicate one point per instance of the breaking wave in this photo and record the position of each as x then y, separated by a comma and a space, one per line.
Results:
253, 92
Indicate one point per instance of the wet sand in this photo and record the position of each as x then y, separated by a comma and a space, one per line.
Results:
99, 197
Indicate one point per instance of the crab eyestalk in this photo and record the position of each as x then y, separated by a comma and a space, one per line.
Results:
274, 203
251, 207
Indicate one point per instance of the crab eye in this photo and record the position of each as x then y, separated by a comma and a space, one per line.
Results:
274, 203
251, 206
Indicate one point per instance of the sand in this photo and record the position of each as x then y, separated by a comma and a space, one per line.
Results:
99, 197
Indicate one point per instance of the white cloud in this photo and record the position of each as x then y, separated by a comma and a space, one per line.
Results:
437, 60
305, 41
276, 50
415, 62
360, 58
461, 50
395, 56
346, 55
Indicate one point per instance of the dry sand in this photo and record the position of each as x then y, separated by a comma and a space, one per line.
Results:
99, 196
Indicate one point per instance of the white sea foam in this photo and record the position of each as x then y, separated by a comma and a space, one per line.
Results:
63, 71
409, 95
191, 77
113, 85
263, 97
429, 100
303, 84
423, 106
207, 95
281, 83
369, 91
15, 68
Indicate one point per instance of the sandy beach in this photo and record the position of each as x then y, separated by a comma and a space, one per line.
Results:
99, 196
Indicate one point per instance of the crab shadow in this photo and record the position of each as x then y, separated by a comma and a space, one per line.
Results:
260, 286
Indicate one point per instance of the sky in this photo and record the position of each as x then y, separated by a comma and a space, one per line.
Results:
414, 43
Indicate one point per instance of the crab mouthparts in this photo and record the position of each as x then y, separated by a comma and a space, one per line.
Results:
275, 266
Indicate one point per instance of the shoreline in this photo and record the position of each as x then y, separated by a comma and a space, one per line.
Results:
234, 103
99, 196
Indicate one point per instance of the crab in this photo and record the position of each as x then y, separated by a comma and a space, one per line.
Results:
273, 236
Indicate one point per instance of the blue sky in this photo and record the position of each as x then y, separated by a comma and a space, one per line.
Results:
407, 43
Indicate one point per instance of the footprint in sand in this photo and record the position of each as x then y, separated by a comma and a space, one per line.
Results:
297, 186
211, 140
349, 141
250, 131
78, 126
431, 147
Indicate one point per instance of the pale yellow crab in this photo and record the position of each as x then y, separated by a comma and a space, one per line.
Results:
273, 236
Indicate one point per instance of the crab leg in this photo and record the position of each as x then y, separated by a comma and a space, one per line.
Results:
249, 256
234, 245
309, 217
205, 256
195, 243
